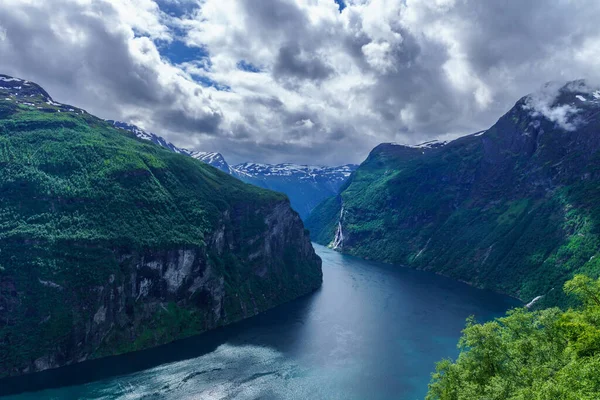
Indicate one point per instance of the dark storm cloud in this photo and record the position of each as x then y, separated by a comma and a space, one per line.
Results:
285, 21
291, 63
186, 121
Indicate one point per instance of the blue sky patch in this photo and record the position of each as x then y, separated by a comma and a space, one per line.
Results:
248, 67
341, 4
176, 8
178, 52
207, 82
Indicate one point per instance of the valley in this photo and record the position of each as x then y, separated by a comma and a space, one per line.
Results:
299, 200
200, 280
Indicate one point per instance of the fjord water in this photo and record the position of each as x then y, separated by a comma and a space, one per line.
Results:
372, 331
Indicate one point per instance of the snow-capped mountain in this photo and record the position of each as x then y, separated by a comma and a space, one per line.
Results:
211, 158
305, 185
300, 172
20, 92
142, 134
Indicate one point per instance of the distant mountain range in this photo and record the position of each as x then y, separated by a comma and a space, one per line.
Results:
305, 185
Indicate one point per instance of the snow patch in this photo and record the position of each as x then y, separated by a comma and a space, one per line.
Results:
425, 145
580, 98
50, 284
6, 79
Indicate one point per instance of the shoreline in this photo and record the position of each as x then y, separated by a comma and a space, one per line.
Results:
434, 272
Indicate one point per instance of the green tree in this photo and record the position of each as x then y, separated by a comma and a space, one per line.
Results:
547, 354
585, 288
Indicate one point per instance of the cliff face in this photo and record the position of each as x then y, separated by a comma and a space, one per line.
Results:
109, 244
514, 208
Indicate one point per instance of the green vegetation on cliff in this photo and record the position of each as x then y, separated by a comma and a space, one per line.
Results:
514, 209
544, 355
109, 243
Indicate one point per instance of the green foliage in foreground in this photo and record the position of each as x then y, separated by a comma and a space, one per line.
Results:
548, 354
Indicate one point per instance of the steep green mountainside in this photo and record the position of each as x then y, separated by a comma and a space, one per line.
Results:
515, 208
547, 355
109, 243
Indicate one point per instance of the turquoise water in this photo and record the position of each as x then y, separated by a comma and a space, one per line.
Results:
372, 331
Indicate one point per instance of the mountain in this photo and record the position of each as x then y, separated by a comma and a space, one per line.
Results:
142, 134
211, 158
110, 243
515, 208
305, 185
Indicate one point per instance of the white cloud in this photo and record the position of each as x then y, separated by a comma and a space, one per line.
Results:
329, 85
378, 56
543, 102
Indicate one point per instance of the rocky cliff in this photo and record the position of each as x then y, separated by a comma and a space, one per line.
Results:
110, 244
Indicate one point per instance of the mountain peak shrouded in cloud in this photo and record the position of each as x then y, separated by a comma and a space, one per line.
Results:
563, 103
308, 82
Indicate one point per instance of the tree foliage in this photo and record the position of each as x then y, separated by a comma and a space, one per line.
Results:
549, 354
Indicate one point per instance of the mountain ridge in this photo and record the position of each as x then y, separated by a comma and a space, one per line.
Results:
305, 185
475, 208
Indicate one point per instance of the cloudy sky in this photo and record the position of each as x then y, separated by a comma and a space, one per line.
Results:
311, 81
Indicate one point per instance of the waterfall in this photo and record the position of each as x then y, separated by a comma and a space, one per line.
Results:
338, 241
